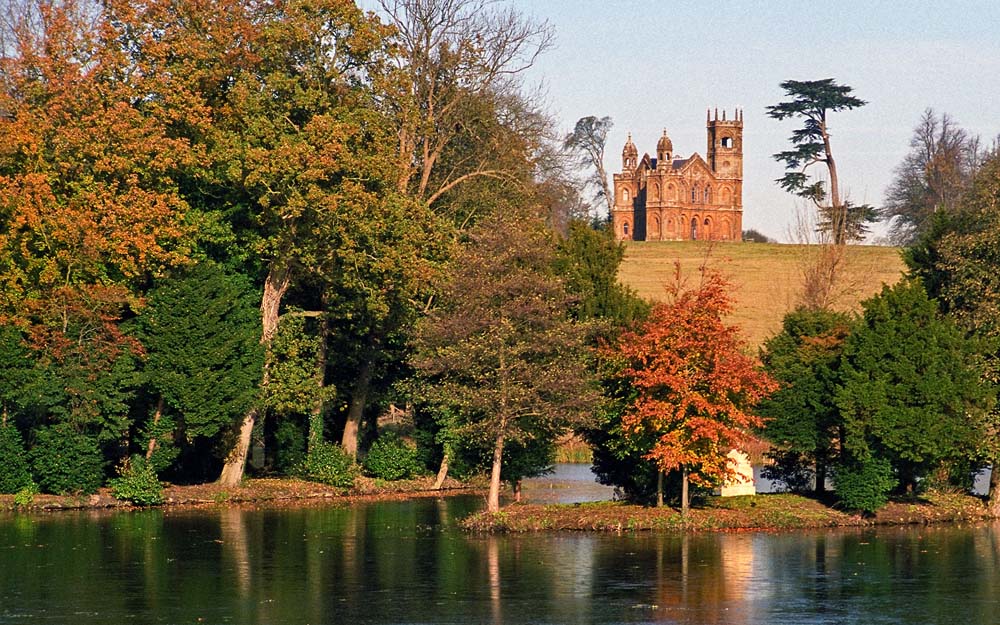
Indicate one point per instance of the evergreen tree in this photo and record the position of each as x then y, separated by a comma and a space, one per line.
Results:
911, 392
201, 332
802, 420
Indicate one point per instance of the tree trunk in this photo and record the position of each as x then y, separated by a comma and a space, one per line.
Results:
493, 499
820, 477
356, 410
517, 491
685, 504
442, 471
994, 502
275, 287
659, 489
316, 417
838, 216
151, 447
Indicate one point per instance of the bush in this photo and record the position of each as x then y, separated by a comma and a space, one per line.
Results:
65, 461
137, 483
864, 485
14, 472
390, 458
26, 496
329, 464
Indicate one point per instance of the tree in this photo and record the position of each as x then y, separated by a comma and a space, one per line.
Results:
499, 351
812, 101
455, 61
695, 388
588, 260
203, 361
911, 392
932, 178
587, 141
802, 419
957, 259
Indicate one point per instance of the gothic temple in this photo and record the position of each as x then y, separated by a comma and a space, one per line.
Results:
669, 198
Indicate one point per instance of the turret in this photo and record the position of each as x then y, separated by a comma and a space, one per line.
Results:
630, 155
664, 150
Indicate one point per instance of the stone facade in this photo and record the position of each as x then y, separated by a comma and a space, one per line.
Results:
669, 198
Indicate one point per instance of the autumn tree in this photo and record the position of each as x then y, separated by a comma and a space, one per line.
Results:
695, 389
812, 101
587, 143
932, 178
499, 351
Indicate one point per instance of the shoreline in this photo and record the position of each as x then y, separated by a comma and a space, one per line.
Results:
256, 492
751, 513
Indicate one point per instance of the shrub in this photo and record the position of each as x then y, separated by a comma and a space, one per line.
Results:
137, 482
66, 461
864, 485
329, 464
14, 473
26, 496
390, 458
791, 469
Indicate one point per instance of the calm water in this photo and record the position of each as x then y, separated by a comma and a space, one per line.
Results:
404, 562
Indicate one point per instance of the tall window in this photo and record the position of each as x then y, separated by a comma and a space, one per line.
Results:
625, 229
708, 195
694, 194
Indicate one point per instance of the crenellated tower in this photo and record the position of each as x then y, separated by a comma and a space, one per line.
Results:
725, 144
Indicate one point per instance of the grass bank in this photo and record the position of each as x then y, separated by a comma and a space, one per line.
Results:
768, 277
253, 493
751, 513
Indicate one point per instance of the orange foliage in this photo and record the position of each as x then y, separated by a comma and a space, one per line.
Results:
694, 385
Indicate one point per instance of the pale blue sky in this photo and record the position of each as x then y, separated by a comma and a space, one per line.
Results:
651, 65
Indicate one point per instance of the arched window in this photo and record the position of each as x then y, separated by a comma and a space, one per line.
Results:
727, 142
656, 225
625, 230
694, 194
625, 195
656, 191
694, 228
671, 192
708, 195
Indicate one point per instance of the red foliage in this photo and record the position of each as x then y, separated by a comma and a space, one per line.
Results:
695, 387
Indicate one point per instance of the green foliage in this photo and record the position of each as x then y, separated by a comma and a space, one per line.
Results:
588, 261
329, 464
14, 473
166, 450
201, 330
911, 392
65, 461
864, 485
792, 469
803, 420
391, 458
293, 386
26, 496
137, 482
289, 446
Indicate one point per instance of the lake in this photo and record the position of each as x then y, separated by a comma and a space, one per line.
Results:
406, 562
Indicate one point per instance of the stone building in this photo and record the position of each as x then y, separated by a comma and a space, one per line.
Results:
669, 198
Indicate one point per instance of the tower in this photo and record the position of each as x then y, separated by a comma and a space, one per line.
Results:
630, 155
725, 145
664, 150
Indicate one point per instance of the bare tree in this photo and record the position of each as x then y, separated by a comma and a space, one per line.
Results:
450, 54
588, 141
931, 178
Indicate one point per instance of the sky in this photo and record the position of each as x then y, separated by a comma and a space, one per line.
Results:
658, 65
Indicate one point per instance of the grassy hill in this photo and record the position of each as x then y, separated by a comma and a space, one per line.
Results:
768, 276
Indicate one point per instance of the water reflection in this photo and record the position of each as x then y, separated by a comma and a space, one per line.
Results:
405, 562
